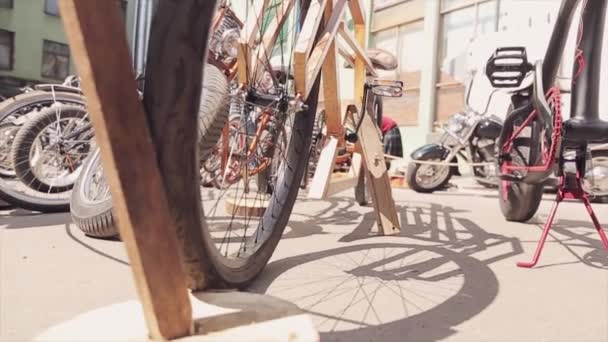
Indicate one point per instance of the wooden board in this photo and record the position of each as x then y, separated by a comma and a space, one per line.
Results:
358, 50
246, 205
101, 53
356, 11
331, 86
318, 54
378, 182
324, 170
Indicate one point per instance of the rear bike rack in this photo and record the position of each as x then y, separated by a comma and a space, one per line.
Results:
565, 191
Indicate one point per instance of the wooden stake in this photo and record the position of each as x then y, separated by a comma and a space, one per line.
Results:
98, 42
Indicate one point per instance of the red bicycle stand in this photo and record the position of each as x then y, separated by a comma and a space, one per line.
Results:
565, 192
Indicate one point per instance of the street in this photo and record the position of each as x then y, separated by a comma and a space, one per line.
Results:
450, 275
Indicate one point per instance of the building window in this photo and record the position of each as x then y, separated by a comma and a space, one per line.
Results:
55, 60
51, 8
461, 23
7, 49
6, 3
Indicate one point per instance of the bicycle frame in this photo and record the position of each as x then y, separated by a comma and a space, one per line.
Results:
584, 126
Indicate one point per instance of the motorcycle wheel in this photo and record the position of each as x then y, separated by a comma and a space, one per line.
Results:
425, 178
92, 210
12, 190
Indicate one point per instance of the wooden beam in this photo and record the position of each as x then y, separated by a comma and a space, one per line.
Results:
345, 53
101, 53
360, 75
331, 86
356, 10
378, 182
318, 54
325, 168
305, 42
243, 63
357, 49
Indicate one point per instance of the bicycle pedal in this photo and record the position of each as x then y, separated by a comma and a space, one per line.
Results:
508, 67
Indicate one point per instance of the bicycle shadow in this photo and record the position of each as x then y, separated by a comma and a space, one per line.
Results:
354, 293
435, 278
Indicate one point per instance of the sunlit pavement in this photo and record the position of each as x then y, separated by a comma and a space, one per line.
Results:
449, 275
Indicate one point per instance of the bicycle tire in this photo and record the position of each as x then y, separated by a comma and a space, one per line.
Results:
203, 263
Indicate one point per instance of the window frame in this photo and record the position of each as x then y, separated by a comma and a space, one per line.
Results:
44, 52
11, 62
11, 5
46, 11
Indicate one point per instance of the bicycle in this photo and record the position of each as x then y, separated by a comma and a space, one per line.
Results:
536, 141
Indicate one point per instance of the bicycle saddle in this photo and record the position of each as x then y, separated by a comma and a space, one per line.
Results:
381, 59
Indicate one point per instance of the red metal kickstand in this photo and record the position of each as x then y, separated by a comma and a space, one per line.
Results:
565, 192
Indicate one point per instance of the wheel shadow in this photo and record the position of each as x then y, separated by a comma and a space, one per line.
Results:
433, 276
383, 291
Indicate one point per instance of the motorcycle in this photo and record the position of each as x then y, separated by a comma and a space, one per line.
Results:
468, 134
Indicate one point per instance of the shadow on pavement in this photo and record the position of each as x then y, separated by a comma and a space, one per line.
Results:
383, 291
394, 291
23, 219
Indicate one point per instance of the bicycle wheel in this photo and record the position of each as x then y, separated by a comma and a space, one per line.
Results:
230, 247
14, 113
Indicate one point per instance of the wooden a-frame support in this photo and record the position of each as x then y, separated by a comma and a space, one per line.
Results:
98, 44
323, 59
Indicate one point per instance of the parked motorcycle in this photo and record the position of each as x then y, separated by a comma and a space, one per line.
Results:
36, 109
469, 135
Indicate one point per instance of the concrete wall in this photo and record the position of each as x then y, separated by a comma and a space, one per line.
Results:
31, 26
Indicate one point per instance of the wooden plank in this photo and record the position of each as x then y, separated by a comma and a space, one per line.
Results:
378, 182
324, 170
318, 54
337, 185
101, 53
356, 10
345, 53
360, 75
243, 63
305, 42
356, 48
331, 86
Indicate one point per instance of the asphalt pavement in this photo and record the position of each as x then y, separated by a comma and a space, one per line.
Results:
450, 275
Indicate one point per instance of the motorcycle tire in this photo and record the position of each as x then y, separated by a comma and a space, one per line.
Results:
23, 104
25, 141
95, 218
412, 171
